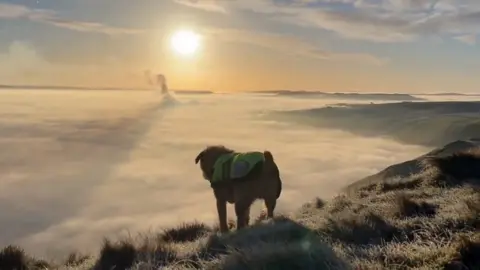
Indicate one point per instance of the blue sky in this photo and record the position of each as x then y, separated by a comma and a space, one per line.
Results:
329, 45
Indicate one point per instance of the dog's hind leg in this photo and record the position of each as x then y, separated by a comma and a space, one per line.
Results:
270, 204
242, 210
247, 216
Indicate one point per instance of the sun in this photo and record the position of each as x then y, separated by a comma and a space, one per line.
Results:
185, 42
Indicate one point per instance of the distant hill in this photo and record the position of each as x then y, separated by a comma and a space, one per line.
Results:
449, 94
193, 92
338, 95
445, 94
430, 124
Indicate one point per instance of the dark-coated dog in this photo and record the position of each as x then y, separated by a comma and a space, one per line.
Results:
262, 182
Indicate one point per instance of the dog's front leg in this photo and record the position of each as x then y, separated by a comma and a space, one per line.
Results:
222, 215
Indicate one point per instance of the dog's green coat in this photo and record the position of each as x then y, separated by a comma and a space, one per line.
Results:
235, 165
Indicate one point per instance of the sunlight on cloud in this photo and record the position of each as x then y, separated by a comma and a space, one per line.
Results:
371, 20
290, 45
208, 5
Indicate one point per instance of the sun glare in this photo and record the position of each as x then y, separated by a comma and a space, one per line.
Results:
185, 42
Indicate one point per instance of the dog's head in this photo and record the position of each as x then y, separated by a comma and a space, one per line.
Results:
208, 157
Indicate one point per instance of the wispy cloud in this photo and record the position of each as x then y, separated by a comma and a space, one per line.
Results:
207, 5
89, 26
468, 39
13, 11
371, 20
289, 45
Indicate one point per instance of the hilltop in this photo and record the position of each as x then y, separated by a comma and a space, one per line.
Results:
428, 219
402, 171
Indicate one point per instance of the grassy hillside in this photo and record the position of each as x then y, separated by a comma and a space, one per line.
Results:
429, 221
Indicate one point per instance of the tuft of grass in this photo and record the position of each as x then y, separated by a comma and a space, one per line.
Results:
75, 259
412, 183
365, 228
455, 169
405, 207
13, 257
469, 252
467, 255
277, 230
319, 203
186, 232
473, 214
120, 255
157, 253
312, 254
339, 204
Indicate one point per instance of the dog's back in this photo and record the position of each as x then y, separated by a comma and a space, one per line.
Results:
262, 182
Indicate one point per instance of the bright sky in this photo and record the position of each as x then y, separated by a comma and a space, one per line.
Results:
328, 45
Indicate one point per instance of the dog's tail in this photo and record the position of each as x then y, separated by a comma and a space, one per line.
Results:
270, 162
268, 157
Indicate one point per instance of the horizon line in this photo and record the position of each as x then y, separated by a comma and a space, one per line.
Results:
63, 87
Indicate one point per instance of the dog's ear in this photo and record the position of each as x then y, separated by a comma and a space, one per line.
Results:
200, 155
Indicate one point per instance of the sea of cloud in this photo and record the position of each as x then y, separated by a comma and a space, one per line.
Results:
76, 166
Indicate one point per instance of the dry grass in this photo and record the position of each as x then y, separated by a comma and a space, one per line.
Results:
407, 207
76, 259
456, 169
13, 257
428, 221
186, 232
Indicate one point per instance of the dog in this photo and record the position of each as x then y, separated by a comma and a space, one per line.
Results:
236, 181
